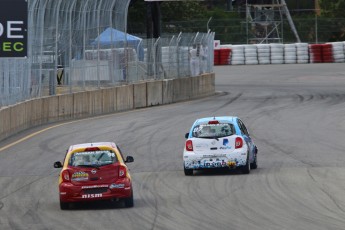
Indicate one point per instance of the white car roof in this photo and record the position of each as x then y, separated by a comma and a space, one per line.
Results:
221, 118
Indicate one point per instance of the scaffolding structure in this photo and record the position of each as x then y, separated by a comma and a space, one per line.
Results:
265, 22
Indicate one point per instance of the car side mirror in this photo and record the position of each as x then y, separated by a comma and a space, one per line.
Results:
58, 164
186, 135
129, 159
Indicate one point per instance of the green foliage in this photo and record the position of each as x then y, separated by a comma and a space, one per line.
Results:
173, 11
332, 8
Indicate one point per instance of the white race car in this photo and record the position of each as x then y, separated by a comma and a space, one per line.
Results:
219, 142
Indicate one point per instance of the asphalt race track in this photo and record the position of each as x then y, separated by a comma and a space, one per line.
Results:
295, 114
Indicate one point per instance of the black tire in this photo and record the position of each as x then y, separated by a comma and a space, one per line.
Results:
188, 172
64, 205
254, 165
129, 202
246, 168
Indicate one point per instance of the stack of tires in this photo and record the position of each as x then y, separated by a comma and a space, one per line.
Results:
237, 55
264, 54
315, 51
251, 55
277, 53
302, 53
327, 53
338, 50
216, 57
290, 54
225, 56
321, 53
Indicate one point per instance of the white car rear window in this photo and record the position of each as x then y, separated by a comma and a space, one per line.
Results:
213, 130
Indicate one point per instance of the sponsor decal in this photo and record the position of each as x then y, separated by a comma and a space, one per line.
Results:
13, 28
95, 186
80, 176
117, 186
225, 144
214, 164
218, 162
213, 155
225, 147
231, 164
225, 141
92, 195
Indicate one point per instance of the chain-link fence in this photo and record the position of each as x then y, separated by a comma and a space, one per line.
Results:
77, 45
311, 29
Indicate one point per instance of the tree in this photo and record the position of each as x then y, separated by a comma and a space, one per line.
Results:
332, 8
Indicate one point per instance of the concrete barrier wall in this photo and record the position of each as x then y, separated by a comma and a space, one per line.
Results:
35, 112
167, 91
154, 93
140, 95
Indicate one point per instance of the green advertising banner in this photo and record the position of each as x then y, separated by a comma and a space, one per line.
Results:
13, 28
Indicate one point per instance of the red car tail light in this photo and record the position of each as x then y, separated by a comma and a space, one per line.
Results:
65, 175
122, 171
214, 122
189, 145
238, 143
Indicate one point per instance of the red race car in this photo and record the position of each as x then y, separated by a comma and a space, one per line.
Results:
94, 171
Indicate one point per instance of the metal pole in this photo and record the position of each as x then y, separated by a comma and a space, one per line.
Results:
70, 43
316, 30
154, 58
208, 23
292, 25
247, 20
98, 43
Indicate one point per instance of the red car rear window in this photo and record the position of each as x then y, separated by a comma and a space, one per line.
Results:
92, 158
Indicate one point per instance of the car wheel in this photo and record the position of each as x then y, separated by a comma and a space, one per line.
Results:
188, 172
254, 165
129, 202
246, 168
64, 205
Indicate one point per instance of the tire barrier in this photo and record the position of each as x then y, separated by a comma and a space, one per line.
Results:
302, 53
224, 56
338, 49
216, 57
237, 57
321, 53
251, 55
264, 54
275, 53
290, 54
315, 51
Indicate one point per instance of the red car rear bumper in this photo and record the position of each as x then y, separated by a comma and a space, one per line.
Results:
73, 193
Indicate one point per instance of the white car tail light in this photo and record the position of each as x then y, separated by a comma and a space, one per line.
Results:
238, 143
189, 145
